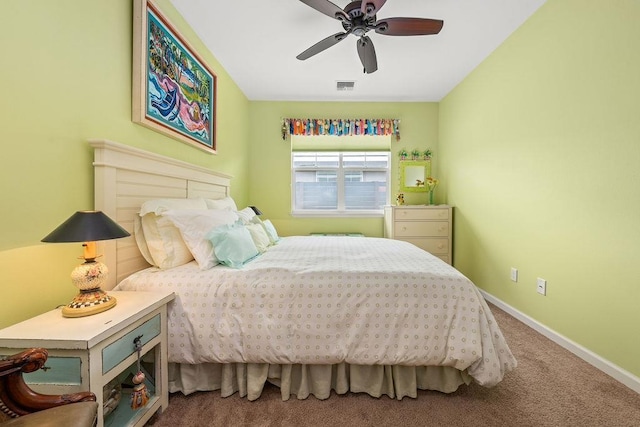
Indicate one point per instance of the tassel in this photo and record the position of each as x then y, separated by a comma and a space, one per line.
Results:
140, 394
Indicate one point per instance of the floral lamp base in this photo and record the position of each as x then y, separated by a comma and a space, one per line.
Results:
88, 277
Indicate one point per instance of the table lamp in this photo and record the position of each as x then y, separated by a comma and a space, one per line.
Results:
88, 227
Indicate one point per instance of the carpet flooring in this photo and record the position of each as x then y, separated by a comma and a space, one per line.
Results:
550, 387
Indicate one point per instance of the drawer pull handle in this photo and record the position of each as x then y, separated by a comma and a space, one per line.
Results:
137, 344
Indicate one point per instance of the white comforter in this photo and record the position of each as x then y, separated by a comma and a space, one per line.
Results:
325, 300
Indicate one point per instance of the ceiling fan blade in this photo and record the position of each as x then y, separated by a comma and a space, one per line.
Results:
408, 26
322, 45
367, 54
371, 7
328, 8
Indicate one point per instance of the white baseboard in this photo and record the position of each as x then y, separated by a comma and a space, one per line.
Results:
621, 375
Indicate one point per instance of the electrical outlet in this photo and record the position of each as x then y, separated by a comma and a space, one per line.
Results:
542, 286
514, 274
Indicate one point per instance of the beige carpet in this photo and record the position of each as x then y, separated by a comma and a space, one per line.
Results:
550, 387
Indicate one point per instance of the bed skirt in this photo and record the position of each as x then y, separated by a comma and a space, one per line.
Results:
317, 380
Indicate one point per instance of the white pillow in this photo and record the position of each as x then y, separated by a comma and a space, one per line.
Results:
246, 215
194, 225
226, 203
157, 206
164, 241
138, 234
259, 236
268, 228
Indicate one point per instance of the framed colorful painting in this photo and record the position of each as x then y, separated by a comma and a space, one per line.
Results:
174, 91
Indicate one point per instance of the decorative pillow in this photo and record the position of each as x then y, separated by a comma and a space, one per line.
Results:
226, 203
158, 206
233, 244
259, 236
271, 231
246, 215
194, 225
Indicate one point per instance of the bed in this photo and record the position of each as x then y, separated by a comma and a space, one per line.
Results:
310, 314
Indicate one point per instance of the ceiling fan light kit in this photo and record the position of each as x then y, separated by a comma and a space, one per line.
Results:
358, 18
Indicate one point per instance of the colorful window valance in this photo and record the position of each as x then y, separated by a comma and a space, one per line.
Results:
340, 127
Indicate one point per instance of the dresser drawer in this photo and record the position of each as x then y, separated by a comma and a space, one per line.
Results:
445, 258
421, 214
119, 350
403, 229
434, 246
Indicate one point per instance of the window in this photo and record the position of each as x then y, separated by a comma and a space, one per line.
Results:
353, 176
340, 183
326, 176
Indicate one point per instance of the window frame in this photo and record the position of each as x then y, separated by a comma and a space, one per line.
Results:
340, 183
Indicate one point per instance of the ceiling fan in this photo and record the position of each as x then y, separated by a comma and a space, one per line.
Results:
358, 18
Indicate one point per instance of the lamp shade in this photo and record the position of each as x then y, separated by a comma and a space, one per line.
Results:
256, 210
86, 226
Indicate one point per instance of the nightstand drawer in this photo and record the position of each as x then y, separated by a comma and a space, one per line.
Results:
421, 214
434, 246
58, 371
418, 229
119, 350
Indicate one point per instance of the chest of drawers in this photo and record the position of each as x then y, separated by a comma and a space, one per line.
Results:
428, 227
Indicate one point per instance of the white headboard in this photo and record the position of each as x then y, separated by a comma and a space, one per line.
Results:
125, 177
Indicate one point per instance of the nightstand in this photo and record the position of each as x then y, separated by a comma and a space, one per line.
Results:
93, 352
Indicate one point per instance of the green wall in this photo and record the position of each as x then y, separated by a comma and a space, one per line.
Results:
66, 73
538, 150
271, 157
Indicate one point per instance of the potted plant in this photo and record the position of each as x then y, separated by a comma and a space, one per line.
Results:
403, 154
415, 154
427, 154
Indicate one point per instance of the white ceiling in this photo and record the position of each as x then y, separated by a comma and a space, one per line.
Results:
257, 41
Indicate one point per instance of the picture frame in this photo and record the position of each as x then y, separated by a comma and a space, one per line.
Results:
174, 90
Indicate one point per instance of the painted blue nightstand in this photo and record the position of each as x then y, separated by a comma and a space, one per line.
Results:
90, 353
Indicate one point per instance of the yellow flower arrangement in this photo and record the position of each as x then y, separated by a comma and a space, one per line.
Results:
431, 184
